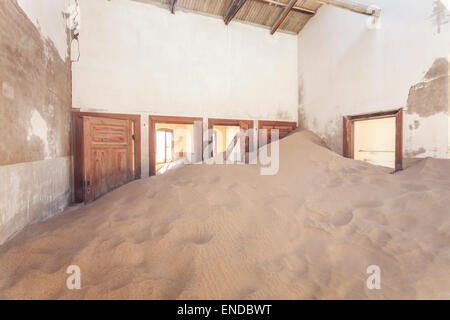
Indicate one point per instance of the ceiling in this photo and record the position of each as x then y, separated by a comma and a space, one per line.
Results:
260, 12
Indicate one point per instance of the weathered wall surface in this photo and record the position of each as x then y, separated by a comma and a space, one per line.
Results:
346, 68
35, 105
31, 192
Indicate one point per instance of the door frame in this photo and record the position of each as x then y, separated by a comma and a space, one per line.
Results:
243, 124
270, 123
152, 121
78, 146
262, 123
349, 133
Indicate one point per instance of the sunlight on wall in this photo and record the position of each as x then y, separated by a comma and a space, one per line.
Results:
375, 141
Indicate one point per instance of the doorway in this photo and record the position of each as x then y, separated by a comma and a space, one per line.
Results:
375, 138
165, 146
174, 141
106, 153
225, 141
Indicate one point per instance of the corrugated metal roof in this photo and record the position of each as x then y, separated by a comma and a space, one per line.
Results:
260, 12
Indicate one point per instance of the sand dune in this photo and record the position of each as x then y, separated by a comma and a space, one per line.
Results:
225, 232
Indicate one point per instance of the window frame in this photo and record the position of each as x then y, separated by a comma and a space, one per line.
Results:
172, 146
349, 133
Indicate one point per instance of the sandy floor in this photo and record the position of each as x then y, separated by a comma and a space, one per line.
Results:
204, 232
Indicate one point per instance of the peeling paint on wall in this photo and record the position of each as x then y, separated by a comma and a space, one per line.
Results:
427, 111
400, 65
414, 126
38, 129
48, 28
429, 97
35, 91
35, 113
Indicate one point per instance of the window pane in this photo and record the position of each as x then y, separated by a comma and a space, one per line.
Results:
169, 144
160, 146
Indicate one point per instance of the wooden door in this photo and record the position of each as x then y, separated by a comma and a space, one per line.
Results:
108, 155
399, 140
266, 127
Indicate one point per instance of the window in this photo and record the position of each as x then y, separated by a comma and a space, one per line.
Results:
164, 146
375, 141
376, 138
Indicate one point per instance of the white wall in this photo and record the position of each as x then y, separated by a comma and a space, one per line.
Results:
138, 57
345, 68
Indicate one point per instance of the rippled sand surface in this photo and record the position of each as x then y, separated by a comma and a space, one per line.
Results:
226, 232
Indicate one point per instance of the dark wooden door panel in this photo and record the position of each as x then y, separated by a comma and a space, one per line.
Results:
121, 172
100, 172
266, 127
108, 155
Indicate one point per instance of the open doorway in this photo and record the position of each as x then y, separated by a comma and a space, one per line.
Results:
174, 145
174, 141
375, 138
375, 141
165, 148
226, 141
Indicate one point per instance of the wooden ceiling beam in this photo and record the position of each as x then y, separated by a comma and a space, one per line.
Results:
352, 6
283, 16
284, 5
173, 4
232, 10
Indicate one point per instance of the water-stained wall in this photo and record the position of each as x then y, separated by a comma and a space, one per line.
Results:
35, 104
347, 67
